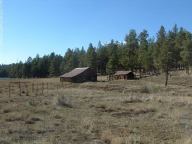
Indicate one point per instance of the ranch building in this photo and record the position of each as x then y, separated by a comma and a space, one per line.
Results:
126, 75
79, 75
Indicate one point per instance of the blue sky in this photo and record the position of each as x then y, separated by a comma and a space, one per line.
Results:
31, 27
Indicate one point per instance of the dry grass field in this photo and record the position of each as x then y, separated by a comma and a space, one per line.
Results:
44, 111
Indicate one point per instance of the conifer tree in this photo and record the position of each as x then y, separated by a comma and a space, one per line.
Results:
130, 55
102, 57
161, 38
113, 62
186, 54
143, 50
91, 57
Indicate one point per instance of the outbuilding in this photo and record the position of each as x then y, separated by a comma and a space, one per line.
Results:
127, 75
80, 75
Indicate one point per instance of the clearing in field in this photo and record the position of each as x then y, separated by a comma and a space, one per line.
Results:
44, 111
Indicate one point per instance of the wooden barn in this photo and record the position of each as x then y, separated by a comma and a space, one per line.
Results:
127, 75
80, 75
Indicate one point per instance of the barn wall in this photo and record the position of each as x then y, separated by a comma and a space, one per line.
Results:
88, 75
63, 79
131, 76
125, 77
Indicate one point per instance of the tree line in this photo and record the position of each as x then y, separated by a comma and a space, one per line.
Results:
169, 50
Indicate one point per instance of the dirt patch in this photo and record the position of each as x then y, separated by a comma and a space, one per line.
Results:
132, 100
104, 108
32, 120
133, 112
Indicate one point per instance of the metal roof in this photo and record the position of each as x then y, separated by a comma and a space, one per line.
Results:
75, 72
123, 72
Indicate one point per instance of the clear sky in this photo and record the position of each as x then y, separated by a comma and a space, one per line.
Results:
30, 27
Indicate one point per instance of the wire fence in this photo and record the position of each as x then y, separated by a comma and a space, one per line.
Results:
20, 88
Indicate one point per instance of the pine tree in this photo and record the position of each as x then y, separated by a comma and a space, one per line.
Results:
143, 50
102, 57
91, 57
113, 62
167, 56
82, 57
35, 66
186, 54
68, 61
130, 57
27, 68
150, 56
161, 38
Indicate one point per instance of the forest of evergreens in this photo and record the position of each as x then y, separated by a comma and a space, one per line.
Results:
169, 50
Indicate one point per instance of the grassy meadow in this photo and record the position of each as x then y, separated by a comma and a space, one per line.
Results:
45, 111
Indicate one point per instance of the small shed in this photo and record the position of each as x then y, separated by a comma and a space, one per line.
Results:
127, 75
80, 75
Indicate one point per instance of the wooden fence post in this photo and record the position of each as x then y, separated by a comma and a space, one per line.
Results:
36, 90
42, 88
19, 88
57, 89
27, 91
33, 87
9, 90
47, 87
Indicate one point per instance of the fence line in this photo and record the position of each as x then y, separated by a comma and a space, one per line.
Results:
20, 88
34, 89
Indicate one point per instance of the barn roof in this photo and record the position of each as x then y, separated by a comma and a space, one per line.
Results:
123, 72
75, 72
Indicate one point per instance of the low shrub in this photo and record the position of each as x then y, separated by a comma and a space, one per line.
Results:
64, 101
